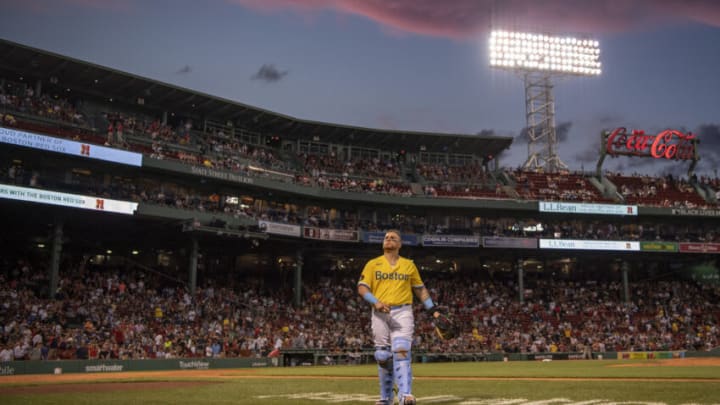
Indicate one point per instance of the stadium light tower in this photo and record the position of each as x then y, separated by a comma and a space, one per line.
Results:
538, 58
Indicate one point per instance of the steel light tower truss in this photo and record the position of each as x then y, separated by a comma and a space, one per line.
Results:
540, 122
538, 58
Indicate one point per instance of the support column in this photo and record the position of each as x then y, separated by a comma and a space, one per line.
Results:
521, 281
192, 275
38, 88
626, 287
55, 257
297, 298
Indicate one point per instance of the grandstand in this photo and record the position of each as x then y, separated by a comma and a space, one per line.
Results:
254, 220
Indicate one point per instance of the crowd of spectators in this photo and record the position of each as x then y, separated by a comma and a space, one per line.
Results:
125, 313
111, 312
563, 186
561, 316
203, 201
666, 191
438, 173
215, 149
469, 180
360, 175
43, 106
322, 165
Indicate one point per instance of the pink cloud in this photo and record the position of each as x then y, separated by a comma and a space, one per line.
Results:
464, 18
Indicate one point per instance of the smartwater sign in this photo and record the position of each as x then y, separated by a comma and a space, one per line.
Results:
67, 200
575, 244
578, 208
68, 147
653, 246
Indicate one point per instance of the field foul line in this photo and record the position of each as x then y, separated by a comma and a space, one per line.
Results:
331, 397
437, 378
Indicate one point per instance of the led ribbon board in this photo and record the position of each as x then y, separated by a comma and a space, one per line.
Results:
578, 244
36, 195
587, 208
68, 147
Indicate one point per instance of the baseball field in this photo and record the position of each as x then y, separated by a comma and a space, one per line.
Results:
588, 382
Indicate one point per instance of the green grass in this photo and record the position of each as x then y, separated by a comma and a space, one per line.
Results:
524, 369
554, 382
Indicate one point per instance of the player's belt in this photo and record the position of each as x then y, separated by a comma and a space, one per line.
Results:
393, 307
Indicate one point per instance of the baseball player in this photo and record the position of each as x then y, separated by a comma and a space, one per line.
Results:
387, 282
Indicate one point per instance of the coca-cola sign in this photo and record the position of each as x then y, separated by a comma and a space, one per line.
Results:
668, 144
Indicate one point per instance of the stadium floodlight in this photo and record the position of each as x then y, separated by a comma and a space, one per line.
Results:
539, 57
544, 53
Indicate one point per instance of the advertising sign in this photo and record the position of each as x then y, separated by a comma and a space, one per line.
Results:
575, 244
509, 243
68, 147
67, 200
669, 144
694, 247
409, 239
696, 212
335, 235
451, 240
582, 208
279, 228
659, 246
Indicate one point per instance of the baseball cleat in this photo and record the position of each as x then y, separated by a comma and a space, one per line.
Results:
408, 400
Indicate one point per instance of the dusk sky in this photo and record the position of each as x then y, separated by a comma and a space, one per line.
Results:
418, 65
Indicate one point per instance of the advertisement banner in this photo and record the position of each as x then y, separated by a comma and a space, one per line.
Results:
582, 208
451, 240
697, 212
509, 243
218, 174
659, 246
694, 247
278, 228
409, 239
67, 200
68, 147
650, 355
335, 235
121, 366
576, 244
632, 356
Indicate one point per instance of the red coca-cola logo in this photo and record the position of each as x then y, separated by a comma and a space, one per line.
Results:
668, 144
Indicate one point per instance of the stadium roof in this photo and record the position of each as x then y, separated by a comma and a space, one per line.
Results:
84, 79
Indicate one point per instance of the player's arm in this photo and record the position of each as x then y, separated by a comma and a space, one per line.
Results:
424, 296
368, 296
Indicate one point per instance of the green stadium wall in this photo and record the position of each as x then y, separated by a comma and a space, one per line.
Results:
311, 357
115, 366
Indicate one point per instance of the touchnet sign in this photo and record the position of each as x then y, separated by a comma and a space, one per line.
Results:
336, 397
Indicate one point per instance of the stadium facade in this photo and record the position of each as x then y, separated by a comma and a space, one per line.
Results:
116, 168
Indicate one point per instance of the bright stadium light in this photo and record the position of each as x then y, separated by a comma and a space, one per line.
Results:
544, 53
539, 57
